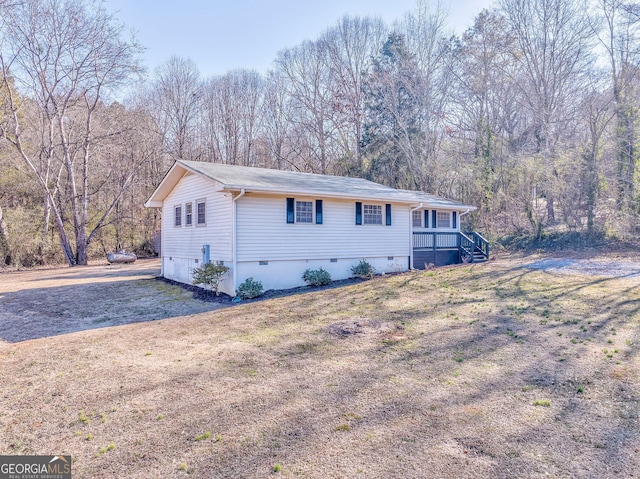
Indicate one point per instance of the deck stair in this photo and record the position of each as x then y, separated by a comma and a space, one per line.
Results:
474, 248
441, 248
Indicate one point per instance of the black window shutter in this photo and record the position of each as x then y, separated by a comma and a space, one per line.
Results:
426, 218
358, 213
318, 212
290, 210
455, 219
434, 219
388, 211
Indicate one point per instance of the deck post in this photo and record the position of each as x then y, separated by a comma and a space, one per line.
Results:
435, 258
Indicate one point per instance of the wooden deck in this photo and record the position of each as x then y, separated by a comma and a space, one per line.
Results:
441, 249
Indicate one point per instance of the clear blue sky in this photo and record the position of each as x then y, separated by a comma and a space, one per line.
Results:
220, 35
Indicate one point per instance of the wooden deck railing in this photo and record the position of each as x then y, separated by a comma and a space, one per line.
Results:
470, 245
428, 240
481, 244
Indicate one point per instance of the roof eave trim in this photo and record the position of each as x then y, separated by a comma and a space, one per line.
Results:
361, 196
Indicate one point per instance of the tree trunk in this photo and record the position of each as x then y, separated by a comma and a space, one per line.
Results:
591, 185
46, 219
5, 253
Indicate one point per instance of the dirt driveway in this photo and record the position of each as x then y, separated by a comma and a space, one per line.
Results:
48, 302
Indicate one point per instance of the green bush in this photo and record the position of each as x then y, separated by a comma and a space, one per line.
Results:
316, 277
363, 270
210, 275
249, 288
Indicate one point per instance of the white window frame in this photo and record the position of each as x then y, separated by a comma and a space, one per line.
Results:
374, 216
204, 213
177, 216
440, 219
416, 218
303, 216
188, 216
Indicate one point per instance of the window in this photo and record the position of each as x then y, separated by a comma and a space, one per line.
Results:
372, 215
304, 212
188, 214
177, 217
443, 220
201, 211
417, 219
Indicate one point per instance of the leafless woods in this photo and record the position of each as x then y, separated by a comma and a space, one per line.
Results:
531, 114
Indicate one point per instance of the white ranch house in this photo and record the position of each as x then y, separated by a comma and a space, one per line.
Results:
272, 225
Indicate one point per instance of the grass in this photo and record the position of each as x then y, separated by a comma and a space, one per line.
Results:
106, 449
202, 437
351, 382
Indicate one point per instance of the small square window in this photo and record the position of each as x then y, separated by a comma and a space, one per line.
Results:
177, 217
417, 219
372, 214
201, 211
304, 212
443, 219
188, 214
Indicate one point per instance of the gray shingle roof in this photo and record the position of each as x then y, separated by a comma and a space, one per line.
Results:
234, 177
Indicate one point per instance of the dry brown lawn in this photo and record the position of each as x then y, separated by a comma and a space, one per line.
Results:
47, 302
475, 371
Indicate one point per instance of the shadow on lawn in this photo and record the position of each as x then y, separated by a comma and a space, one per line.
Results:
329, 406
381, 410
50, 311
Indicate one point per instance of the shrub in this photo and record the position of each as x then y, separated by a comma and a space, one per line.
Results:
362, 270
145, 248
249, 288
316, 277
210, 275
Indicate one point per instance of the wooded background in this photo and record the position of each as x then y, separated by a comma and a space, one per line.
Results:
532, 115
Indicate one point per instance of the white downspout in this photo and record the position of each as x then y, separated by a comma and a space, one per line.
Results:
234, 265
460, 219
411, 231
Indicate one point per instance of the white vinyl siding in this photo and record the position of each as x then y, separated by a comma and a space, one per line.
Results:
188, 242
263, 235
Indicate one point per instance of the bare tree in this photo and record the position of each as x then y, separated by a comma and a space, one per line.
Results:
350, 46
598, 111
619, 33
233, 116
5, 253
276, 112
554, 43
482, 102
424, 30
309, 87
66, 56
177, 95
